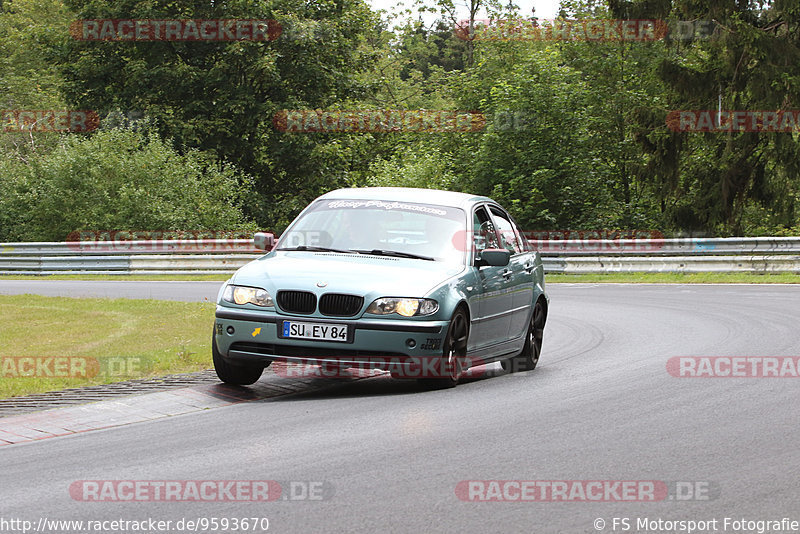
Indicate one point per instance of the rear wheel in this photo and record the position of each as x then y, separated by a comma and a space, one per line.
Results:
237, 375
454, 353
527, 359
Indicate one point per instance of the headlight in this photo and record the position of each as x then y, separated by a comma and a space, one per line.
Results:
243, 295
403, 306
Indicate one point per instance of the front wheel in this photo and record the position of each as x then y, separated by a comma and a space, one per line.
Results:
237, 375
454, 353
527, 359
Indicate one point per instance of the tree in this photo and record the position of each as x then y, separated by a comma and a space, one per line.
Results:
30, 31
537, 154
222, 96
715, 182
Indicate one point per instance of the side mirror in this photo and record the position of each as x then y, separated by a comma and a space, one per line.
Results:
264, 241
494, 257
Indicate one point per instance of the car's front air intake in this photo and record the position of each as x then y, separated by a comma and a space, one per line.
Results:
339, 305
297, 301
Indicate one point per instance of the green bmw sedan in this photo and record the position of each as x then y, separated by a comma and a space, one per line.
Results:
422, 283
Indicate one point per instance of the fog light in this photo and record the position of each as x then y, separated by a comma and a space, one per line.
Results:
410, 343
230, 330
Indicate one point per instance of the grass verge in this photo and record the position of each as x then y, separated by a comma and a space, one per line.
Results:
51, 343
676, 278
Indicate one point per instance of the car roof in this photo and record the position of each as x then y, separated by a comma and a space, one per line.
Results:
407, 194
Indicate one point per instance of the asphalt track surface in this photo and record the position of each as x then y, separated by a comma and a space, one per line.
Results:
601, 406
166, 290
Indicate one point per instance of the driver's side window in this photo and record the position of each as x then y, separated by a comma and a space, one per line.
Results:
508, 234
484, 235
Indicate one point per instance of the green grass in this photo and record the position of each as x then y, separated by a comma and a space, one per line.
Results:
111, 339
676, 278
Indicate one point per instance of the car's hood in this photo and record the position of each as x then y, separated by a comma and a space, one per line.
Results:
356, 274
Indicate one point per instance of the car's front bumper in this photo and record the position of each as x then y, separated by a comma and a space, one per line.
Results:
402, 346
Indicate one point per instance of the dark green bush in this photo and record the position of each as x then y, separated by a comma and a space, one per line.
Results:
120, 179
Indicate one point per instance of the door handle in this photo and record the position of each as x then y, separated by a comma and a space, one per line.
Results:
506, 274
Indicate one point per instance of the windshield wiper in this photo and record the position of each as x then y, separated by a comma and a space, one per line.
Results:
312, 248
395, 253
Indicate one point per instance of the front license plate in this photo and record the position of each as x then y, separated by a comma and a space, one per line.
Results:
319, 331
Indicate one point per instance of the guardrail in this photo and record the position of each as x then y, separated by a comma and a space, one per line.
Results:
201, 256
222, 256
683, 255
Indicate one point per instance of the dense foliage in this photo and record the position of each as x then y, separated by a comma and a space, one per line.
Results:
119, 179
576, 133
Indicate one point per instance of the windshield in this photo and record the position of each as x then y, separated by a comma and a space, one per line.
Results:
379, 227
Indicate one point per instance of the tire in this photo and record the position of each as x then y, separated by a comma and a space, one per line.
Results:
237, 375
527, 359
454, 352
